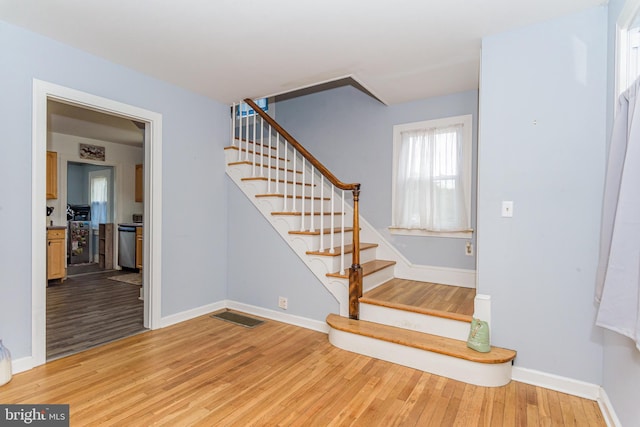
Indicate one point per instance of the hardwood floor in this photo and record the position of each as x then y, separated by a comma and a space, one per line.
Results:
89, 310
208, 372
412, 295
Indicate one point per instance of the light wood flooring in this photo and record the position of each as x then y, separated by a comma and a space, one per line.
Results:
89, 310
208, 372
423, 297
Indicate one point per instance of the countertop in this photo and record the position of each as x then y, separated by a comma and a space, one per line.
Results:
56, 227
131, 224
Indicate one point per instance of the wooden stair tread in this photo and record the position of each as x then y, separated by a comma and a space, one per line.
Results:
419, 310
289, 196
419, 340
259, 144
231, 147
325, 232
306, 213
347, 249
264, 178
367, 268
249, 163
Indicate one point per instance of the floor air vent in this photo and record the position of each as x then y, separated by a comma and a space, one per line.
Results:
238, 319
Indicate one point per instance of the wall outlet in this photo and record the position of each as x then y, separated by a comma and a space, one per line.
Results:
283, 303
468, 249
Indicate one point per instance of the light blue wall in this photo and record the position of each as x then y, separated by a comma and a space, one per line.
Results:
352, 134
621, 358
263, 267
542, 145
77, 184
194, 218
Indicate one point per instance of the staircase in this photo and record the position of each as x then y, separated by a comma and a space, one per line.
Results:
307, 206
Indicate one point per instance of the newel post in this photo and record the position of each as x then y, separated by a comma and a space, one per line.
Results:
355, 273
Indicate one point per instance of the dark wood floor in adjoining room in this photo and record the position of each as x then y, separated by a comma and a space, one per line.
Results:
89, 310
207, 372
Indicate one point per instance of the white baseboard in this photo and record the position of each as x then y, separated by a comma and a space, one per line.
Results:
190, 314
291, 319
607, 410
22, 364
555, 382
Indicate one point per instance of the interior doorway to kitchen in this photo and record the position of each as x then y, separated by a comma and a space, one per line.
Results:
43, 93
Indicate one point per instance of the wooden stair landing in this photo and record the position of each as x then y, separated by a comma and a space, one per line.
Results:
419, 340
452, 302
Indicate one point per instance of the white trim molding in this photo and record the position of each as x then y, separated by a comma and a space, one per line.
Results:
608, 413
291, 319
42, 92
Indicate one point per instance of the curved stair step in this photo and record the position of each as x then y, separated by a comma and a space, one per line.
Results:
430, 353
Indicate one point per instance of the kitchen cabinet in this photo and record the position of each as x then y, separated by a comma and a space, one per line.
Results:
56, 246
139, 184
52, 175
139, 247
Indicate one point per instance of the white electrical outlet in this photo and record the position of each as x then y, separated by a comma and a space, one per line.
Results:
283, 303
468, 249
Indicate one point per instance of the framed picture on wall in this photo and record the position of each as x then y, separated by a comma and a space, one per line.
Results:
91, 152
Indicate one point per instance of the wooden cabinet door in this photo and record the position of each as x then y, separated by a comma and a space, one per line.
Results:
55, 256
139, 247
52, 175
139, 184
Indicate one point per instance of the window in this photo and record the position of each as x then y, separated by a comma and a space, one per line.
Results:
99, 198
245, 110
432, 178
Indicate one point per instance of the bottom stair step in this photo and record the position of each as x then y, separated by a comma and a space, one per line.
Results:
430, 353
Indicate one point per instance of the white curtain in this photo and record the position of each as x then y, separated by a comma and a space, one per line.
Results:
618, 276
99, 199
429, 193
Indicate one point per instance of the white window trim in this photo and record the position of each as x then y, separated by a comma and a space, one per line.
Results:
467, 152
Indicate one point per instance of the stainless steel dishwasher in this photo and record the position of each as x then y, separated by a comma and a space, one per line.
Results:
126, 246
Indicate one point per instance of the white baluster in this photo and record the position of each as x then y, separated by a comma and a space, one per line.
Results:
269, 163
331, 247
262, 149
277, 161
312, 227
342, 238
240, 133
233, 124
294, 153
246, 138
286, 150
302, 194
321, 249
255, 149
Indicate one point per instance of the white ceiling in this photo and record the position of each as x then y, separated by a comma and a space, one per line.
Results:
400, 50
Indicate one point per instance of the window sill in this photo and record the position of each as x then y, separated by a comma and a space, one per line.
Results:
467, 234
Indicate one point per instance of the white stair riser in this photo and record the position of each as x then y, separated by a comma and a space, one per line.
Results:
249, 170
333, 263
434, 325
236, 155
482, 374
312, 242
295, 222
277, 204
379, 277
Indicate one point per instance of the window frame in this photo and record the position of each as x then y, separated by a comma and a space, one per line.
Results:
467, 152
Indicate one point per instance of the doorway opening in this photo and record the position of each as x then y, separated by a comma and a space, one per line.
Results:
151, 234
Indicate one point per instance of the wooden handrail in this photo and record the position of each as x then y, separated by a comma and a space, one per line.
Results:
355, 272
315, 162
